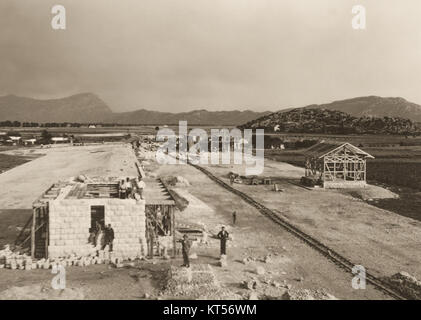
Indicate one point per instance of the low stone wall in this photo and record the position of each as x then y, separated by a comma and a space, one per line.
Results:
70, 220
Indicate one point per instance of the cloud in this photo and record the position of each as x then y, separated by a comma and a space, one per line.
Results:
178, 55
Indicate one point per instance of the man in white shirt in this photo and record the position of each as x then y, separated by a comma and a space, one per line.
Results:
140, 185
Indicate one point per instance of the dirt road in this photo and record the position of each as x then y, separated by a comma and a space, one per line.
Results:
382, 241
255, 236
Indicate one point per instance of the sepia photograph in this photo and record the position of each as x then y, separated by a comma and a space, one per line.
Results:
233, 152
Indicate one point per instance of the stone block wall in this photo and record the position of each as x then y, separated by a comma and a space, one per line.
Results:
70, 220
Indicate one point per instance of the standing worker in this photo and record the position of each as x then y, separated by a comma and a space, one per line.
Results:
234, 217
122, 189
109, 238
186, 244
140, 184
223, 236
150, 238
129, 187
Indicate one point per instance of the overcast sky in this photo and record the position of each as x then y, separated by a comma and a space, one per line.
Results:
179, 55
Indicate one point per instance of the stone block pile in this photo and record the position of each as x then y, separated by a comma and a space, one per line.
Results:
16, 261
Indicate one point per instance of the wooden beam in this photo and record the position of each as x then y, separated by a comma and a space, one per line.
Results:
47, 231
173, 231
34, 216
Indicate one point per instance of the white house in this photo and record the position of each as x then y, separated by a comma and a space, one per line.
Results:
29, 141
60, 139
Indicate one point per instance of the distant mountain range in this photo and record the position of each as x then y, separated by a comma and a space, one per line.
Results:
373, 106
196, 117
89, 108
85, 107
307, 120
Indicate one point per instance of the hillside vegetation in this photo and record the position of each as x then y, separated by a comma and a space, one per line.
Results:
307, 120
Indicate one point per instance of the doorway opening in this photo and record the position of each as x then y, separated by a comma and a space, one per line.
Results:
97, 218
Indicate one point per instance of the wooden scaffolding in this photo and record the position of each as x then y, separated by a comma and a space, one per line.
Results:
336, 165
160, 216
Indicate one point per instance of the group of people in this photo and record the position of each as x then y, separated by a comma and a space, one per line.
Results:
129, 189
101, 236
223, 237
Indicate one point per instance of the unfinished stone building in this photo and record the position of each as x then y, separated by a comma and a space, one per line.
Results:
66, 213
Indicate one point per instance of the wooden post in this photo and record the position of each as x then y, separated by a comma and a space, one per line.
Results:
173, 231
34, 215
47, 231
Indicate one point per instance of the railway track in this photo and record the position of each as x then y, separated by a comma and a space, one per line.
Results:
329, 253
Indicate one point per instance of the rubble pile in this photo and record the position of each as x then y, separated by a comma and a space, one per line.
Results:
196, 282
39, 292
307, 294
408, 285
182, 182
15, 260
264, 288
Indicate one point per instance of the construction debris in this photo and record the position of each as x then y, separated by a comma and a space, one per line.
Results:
307, 294
196, 282
38, 292
260, 270
223, 261
407, 284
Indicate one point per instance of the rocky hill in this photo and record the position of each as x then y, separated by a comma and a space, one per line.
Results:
307, 120
85, 107
373, 106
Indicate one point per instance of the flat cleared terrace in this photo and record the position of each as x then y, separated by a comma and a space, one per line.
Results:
23, 185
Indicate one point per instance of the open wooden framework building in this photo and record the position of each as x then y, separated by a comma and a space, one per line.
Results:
336, 165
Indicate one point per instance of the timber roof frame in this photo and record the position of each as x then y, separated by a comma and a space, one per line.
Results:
324, 148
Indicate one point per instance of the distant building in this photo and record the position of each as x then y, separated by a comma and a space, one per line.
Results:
336, 165
60, 139
14, 140
29, 141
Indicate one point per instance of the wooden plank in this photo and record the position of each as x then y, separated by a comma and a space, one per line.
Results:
173, 231
34, 214
47, 232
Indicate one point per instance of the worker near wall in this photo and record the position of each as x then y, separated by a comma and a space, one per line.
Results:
109, 238
231, 179
166, 223
140, 185
100, 237
223, 236
128, 185
122, 189
92, 235
186, 245
150, 230
234, 217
